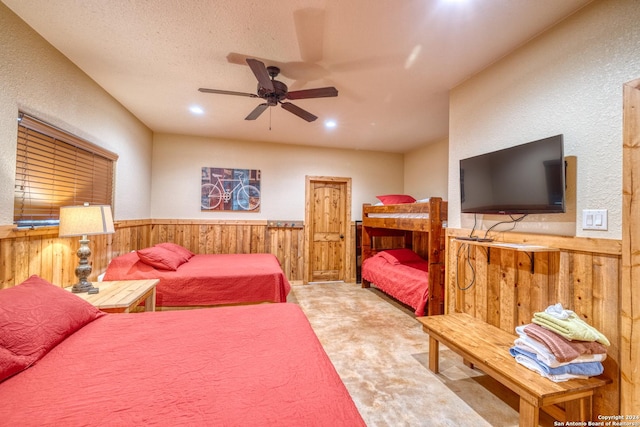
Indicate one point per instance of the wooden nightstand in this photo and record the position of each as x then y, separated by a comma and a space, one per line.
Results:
121, 296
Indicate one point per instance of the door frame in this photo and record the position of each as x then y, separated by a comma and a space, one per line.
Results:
348, 250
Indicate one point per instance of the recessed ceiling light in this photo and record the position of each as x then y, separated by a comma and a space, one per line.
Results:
330, 124
196, 109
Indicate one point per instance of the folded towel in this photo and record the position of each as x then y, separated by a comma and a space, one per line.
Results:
563, 349
589, 369
543, 354
558, 312
572, 328
531, 364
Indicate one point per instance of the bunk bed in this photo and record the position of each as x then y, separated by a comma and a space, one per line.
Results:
417, 226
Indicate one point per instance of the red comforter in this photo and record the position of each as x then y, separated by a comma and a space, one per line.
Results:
259, 365
407, 280
209, 279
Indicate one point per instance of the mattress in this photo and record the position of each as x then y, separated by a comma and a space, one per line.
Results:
403, 277
209, 279
256, 365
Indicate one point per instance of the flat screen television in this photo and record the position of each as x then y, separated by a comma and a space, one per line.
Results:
524, 179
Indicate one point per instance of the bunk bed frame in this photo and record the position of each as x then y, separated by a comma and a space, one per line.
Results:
400, 221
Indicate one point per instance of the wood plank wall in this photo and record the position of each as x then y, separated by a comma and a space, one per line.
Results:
630, 310
498, 286
27, 252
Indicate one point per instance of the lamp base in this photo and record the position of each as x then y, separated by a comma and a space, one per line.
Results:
83, 270
82, 287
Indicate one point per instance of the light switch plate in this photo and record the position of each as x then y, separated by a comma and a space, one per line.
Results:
594, 219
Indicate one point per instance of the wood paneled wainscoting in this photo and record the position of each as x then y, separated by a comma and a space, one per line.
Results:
503, 288
214, 237
27, 252
40, 251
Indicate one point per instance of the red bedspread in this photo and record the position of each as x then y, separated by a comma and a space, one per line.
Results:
407, 282
209, 279
258, 365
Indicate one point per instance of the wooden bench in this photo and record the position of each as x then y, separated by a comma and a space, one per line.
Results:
487, 347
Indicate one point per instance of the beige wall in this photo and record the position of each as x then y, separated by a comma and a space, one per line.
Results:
37, 79
178, 159
569, 81
425, 171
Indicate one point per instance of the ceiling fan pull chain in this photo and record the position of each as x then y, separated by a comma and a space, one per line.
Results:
270, 118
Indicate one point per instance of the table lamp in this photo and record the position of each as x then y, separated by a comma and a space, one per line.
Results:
85, 221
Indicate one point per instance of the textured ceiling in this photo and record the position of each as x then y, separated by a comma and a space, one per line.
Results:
392, 61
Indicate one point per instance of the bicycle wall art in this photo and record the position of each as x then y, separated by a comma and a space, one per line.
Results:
224, 189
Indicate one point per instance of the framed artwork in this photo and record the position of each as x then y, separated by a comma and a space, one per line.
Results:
224, 189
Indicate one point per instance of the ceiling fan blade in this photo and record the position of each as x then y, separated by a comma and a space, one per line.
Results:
303, 114
227, 92
309, 23
257, 111
321, 92
261, 74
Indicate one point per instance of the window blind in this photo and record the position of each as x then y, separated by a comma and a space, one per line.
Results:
54, 169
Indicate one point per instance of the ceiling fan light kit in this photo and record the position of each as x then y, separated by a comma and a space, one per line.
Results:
275, 92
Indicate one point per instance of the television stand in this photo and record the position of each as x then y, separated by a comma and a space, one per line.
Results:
474, 239
518, 247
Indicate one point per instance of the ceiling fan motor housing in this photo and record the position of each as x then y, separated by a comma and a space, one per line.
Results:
279, 93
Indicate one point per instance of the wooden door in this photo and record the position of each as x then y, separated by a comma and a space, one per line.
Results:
327, 226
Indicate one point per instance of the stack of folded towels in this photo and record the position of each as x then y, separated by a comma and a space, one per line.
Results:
560, 346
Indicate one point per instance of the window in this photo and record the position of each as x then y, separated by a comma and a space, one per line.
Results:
53, 169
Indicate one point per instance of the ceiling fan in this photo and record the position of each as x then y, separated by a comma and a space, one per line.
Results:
274, 92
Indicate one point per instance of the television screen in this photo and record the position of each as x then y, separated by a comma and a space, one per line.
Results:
527, 178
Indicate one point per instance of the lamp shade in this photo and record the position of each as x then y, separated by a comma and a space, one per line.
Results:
85, 220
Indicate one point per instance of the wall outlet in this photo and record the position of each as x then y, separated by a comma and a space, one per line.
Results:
594, 219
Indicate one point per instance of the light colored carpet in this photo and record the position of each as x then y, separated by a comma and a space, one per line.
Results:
381, 353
